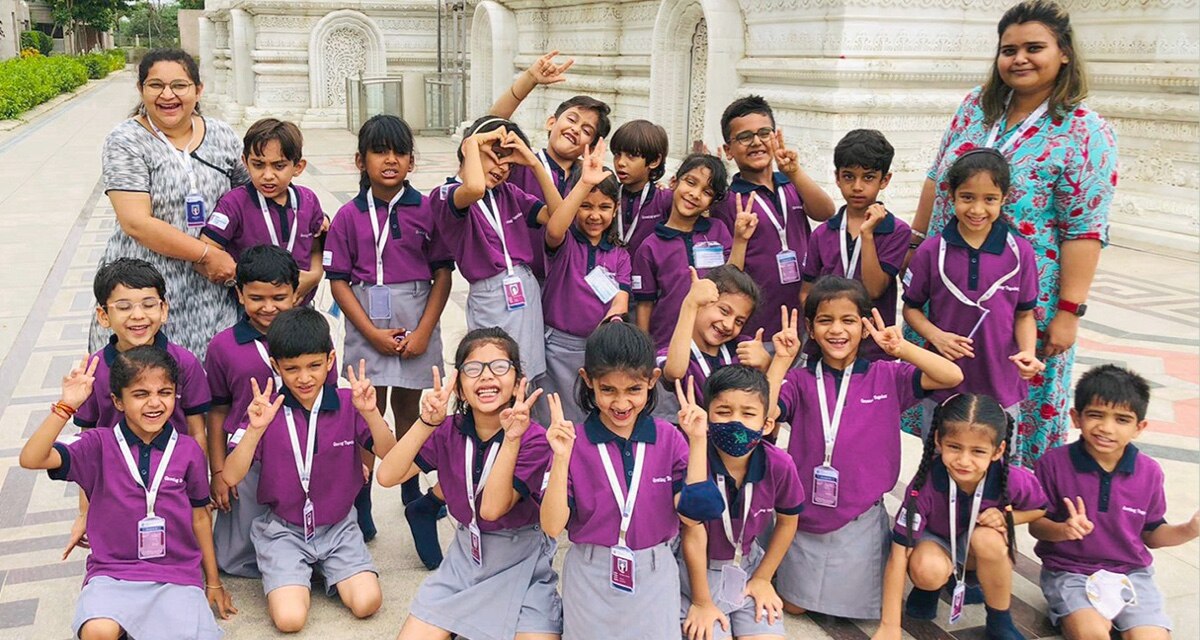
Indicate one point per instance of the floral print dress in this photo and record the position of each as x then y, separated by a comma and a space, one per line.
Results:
1064, 174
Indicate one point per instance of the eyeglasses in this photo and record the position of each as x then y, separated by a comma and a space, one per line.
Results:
746, 138
474, 368
125, 306
179, 87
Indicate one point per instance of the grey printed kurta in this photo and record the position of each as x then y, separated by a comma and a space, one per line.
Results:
134, 159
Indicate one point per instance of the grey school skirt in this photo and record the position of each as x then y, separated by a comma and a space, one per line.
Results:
515, 591
564, 359
231, 531
147, 610
408, 305
839, 573
593, 608
486, 308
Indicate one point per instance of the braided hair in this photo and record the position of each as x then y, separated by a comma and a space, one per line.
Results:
918, 482
1010, 425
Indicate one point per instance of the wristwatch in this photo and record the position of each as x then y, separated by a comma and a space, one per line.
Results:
1077, 308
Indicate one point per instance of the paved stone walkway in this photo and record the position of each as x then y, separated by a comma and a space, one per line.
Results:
55, 221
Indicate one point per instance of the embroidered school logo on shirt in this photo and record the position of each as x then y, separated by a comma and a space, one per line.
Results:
662, 480
878, 396
343, 443
759, 512
173, 479
1134, 510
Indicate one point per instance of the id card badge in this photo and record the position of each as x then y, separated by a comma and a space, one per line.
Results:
379, 301
825, 486
310, 521
603, 284
152, 538
514, 293
957, 600
622, 569
194, 207
476, 544
789, 266
733, 584
708, 255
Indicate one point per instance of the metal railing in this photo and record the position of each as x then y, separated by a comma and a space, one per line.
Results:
370, 96
445, 100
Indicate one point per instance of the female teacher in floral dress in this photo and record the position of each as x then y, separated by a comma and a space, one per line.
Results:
164, 155
1064, 171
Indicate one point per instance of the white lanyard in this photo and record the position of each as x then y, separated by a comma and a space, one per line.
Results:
726, 518
780, 227
625, 503
633, 223
473, 491
991, 291
262, 202
493, 217
380, 237
703, 362
834, 423
975, 504
545, 158
304, 465
182, 156
262, 353
1028, 122
849, 264
152, 492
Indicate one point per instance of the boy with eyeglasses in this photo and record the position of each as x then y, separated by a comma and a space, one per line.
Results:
783, 200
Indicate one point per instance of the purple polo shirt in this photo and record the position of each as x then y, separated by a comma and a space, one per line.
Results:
232, 361
445, 451
761, 262
595, 516
471, 238
696, 371
237, 223
191, 394
643, 217
777, 489
412, 251
568, 302
337, 473
660, 271
973, 271
931, 509
891, 245
94, 461
1122, 504
525, 179
867, 451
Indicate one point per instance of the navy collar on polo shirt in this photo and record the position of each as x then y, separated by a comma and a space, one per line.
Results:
329, 399
271, 204
244, 332
559, 174
1085, 463
159, 442
887, 225
110, 349
994, 243
860, 366
644, 430
756, 467
940, 477
410, 198
744, 186
466, 426
637, 195
667, 233
604, 245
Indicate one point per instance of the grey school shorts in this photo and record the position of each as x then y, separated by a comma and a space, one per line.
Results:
285, 559
1066, 593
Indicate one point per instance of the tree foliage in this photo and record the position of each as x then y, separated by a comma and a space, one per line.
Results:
98, 14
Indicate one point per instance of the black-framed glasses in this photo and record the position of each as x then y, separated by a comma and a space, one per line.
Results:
746, 138
474, 368
178, 87
125, 306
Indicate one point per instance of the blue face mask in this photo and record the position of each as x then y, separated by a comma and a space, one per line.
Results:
733, 438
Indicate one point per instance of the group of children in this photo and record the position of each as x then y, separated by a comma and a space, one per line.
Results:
638, 315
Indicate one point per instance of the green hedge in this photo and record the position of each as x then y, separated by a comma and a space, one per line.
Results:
28, 82
37, 40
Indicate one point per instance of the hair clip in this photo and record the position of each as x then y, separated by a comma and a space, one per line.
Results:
979, 150
947, 400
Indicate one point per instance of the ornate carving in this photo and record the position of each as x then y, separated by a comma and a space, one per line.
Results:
345, 55
282, 22
697, 97
343, 44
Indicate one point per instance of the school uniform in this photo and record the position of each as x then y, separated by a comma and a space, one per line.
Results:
639, 212
411, 254
777, 269
700, 366
826, 256
236, 356
590, 601
1000, 276
1122, 505
512, 589
192, 394
492, 263
835, 564
239, 222
525, 179
574, 306
771, 486
158, 597
660, 269
337, 547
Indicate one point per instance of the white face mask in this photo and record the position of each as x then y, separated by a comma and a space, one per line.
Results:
1110, 593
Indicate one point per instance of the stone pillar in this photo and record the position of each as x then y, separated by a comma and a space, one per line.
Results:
241, 45
205, 42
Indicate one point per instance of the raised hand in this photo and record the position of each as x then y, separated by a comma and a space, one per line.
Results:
1027, 363
787, 160
592, 169
752, 353
434, 403
520, 153
692, 418
888, 338
1077, 521
362, 392
702, 291
262, 409
747, 221
787, 341
77, 385
874, 214
561, 433
515, 419
545, 71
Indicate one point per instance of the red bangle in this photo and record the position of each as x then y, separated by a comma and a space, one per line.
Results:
62, 410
